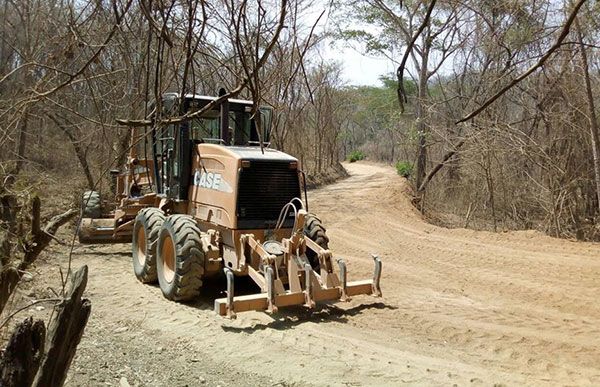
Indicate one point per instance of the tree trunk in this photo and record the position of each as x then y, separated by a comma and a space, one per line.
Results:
79, 151
21, 144
123, 148
422, 130
490, 185
9, 277
591, 113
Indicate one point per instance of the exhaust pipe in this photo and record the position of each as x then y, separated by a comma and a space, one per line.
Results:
224, 118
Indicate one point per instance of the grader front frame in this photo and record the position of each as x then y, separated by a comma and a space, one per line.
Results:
287, 262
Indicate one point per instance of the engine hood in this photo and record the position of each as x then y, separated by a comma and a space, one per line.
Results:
254, 153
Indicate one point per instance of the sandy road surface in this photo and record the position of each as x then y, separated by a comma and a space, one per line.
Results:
460, 307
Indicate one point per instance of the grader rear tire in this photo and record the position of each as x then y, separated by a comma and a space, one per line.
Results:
180, 258
146, 228
314, 229
91, 205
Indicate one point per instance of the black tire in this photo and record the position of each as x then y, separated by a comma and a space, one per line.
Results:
91, 205
314, 229
146, 228
180, 258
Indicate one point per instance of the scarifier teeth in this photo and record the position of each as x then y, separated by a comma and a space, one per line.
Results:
343, 279
377, 276
308, 286
270, 277
229, 275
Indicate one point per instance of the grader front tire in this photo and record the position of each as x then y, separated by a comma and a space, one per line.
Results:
314, 229
180, 258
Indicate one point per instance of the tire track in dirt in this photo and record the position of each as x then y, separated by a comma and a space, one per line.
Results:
459, 307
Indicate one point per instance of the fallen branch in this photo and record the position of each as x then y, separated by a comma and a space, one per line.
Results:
30, 305
40, 239
439, 166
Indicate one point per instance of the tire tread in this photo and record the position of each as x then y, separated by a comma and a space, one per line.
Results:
314, 229
152, 219
189, 265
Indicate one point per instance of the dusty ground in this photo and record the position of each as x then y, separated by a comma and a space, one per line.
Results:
459, 307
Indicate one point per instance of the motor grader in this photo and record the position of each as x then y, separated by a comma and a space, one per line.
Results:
209, 195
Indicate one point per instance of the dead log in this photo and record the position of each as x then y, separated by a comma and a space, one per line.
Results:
21, 358
40, 239
64, 333
9, 277
5, 248
8, 215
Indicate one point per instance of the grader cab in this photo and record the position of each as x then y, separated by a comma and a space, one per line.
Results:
208, 195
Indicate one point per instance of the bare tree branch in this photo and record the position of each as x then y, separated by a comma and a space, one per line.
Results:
400, 70
532, 69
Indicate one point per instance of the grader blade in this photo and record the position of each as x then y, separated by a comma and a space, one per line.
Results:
95, 231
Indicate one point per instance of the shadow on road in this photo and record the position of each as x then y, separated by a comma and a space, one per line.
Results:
287, 317
108, 254
214, 287
105, 250
296, 315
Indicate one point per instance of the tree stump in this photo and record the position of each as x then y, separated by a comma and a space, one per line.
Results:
64, 333
21, 358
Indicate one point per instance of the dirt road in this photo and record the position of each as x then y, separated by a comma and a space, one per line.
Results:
460, 307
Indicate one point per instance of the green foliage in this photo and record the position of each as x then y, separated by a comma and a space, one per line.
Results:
376, 107
404, 168
391, 84
373, 117
356, 155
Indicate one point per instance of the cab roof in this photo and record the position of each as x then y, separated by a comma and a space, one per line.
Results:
206, 98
